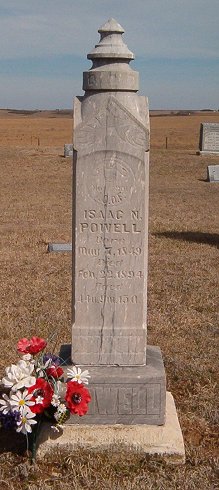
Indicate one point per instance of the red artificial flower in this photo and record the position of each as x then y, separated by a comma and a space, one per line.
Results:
32, 346
77, 398
55, 371
44, 391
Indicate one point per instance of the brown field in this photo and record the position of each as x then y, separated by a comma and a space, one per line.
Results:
35, 294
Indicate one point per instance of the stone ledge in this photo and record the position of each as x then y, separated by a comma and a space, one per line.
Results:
129, 395
163, 442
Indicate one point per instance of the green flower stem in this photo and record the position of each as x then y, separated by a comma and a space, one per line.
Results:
33, 440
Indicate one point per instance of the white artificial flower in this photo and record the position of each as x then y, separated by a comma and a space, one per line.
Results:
55, 402
77, 375
20, 400
44, 366
6, 404
27, 357
19, 375
58, 387
41, 368
60, 411
39, 399
24, 424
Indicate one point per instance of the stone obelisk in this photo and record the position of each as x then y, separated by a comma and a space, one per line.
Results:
110, 235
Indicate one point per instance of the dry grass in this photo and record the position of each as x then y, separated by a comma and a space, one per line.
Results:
35, 296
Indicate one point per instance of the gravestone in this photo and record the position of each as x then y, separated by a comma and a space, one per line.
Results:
110, 241
209, 139
68, 150
213, 173
59, 247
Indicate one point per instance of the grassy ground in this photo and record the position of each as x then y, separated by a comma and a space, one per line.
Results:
35, 297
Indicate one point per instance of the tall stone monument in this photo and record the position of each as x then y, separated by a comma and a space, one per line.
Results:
110, 241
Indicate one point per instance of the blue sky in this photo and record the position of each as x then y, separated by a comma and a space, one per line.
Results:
44, 43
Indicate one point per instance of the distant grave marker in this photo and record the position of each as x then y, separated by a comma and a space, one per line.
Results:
209, 139
68, 150
59, 247
213, 173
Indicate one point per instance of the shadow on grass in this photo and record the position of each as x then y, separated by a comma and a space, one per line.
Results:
11, 441
191, 236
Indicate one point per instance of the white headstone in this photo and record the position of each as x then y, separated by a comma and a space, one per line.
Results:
213, 173
209, 138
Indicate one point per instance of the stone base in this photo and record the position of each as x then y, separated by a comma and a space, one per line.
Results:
164, 442
205, 152
128, 394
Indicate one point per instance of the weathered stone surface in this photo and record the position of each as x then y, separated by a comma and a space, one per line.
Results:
68, 150
110, 200
127, 395
165, 442
209, 138
213, 173
59, 247
116, 75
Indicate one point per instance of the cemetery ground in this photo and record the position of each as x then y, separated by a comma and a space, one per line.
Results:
35, 293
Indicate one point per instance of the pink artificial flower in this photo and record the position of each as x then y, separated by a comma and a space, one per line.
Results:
32, 346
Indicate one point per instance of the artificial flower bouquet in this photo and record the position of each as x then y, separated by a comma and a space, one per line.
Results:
35, 391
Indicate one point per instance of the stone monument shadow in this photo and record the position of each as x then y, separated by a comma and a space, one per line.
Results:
191, 236
12, 442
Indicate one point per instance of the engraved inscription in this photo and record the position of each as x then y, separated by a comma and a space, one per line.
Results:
114, 274
109, 228
115, 261
126, 400
102, 286
109, 214
110, 259
89, 252
106, 400
211, 141
87, 298
153, 402
117, 178
140, 401
127, 126
210, 137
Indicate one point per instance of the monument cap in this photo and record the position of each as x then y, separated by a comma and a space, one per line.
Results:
111, 44
111, 25
111, 58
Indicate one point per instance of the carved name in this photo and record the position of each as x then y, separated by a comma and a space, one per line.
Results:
130, 399
109, 228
